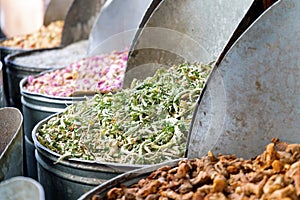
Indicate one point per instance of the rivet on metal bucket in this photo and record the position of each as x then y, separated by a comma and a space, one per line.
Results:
253, 94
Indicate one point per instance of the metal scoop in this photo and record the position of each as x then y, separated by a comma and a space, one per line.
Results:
116, 25
253, 95
79, 20
179, 31
11, 143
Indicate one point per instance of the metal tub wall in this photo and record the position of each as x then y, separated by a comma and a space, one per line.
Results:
11, 143
69, 179
37, 107
5, 51
16, 72
127, 179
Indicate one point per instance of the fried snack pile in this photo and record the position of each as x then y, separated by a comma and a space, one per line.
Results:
46, 37
275, 174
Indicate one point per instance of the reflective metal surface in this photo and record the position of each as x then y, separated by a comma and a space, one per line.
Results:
57, 10
253, 95
21, 188
11, 143
80, 19
179, 31
117, 24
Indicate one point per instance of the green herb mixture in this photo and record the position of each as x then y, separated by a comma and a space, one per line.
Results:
147, 123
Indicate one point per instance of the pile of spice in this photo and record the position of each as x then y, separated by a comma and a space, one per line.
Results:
101, 73
145, 124
46, 37
273, 175
54, 58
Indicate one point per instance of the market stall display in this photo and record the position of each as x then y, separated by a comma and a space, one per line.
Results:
145, 124
273, 174
46, 37
129, 128
50, 58
102, 73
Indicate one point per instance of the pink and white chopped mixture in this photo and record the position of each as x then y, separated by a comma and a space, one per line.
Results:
102, 73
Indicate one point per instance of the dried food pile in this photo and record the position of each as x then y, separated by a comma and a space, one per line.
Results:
145, 124
46, 37
273, 175
101, 73
54, 58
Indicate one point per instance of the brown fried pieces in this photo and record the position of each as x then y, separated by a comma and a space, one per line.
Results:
273, 175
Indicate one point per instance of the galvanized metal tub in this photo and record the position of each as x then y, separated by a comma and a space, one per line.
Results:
127, 179
16, 72
21, 188
5, 51
69, 179
11, 143
37, 107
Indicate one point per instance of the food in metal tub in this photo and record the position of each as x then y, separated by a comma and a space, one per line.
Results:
54, 58
145, 124
101, 73
46, 37
272, 175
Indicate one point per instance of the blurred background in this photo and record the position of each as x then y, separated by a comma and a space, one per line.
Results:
19, 17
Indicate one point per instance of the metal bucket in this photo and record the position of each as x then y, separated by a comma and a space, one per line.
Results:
37, 107
5, 51
127, 179
11, 143
69, 179
21, 188
16, 72
253, 95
